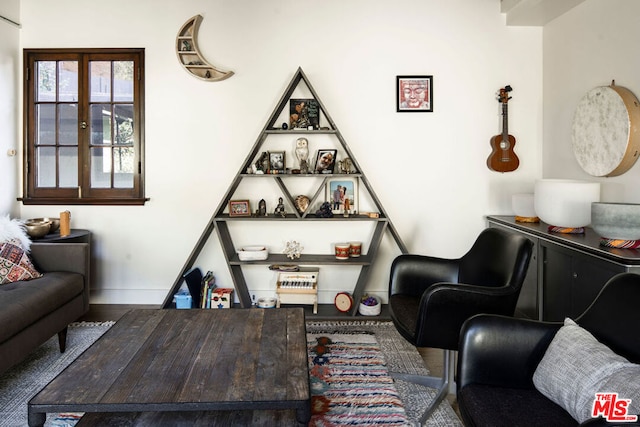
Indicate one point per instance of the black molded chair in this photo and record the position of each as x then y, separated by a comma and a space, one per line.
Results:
430, 298
498, 357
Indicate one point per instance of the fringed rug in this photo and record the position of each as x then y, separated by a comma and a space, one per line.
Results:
395, 354
350, 384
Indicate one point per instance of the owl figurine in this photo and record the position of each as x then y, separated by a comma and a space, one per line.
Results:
302, 154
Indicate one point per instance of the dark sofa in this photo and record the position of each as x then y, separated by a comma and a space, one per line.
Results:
33, 311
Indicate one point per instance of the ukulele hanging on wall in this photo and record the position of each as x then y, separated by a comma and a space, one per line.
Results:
503, 158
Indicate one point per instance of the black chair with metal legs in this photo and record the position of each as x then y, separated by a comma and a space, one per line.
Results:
430, 298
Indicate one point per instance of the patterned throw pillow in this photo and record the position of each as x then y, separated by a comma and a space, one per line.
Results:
576, 366
15, 264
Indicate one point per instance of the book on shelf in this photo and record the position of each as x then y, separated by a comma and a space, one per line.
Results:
304, 114
208, 284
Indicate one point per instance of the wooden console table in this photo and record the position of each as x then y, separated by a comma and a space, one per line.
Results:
174, 361
567, 271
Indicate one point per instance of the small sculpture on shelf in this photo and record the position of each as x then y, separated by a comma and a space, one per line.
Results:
293, 249
262, 164
347, 206
346, 165
324, 211
302, 154
279, 210
262, 208
301, 203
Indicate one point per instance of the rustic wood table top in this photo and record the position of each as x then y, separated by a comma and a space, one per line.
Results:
188, 360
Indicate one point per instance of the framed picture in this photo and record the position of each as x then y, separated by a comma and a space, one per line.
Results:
342, 193
414, 94
239, 208
276, 161
325, 161
304, 114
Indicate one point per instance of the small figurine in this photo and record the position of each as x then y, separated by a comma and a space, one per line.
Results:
262, 164
302, 154
262, 208
345, 165
324, 211
279, 210
347, 206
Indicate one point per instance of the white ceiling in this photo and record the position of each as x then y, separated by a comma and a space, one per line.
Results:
535, 12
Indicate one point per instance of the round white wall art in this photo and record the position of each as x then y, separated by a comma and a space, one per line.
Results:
605, 131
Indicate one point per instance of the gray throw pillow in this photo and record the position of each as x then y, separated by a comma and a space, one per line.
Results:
576, 366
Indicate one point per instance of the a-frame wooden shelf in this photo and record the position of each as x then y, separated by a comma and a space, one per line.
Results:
221, 219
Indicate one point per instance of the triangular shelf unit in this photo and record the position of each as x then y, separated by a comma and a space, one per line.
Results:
221, 219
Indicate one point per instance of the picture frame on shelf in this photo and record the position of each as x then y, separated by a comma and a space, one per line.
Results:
325, 161
304, 114
338, 190
239, 208
414, 94
276, 161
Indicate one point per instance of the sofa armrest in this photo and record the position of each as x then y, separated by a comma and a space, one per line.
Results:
71, 257
502, 351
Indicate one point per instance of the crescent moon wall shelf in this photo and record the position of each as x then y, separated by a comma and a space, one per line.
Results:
190, 57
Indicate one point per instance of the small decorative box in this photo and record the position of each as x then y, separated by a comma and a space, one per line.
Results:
183, 300
222, 298
253, 253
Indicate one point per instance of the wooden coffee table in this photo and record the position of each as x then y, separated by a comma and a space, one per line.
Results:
188, 360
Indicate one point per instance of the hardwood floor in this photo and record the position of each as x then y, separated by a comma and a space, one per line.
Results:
107, 312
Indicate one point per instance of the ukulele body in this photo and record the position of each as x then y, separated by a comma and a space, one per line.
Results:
502, 157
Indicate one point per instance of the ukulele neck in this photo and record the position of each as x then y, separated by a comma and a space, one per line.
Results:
505, 121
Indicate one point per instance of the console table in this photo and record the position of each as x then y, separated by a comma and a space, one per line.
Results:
566, 271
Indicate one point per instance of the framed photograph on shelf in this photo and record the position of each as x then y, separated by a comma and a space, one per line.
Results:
304, 114
414, 94
342, 193
276, 161
239, 208
325, 161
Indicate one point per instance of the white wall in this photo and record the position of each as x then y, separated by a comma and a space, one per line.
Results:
591, 45
9, 87
428, 169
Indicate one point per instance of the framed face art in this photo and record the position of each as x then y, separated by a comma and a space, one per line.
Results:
414, 94
326, 161
342, 193
276, 161
239, 208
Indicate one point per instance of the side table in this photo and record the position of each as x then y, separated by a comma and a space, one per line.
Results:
76, 236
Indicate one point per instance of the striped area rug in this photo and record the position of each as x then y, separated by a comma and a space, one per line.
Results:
397, 356
350, 383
